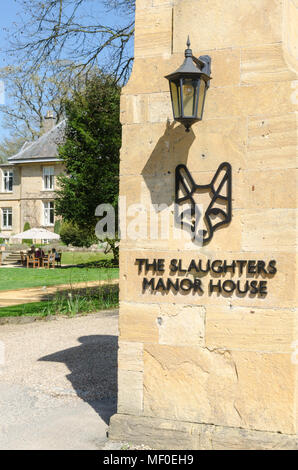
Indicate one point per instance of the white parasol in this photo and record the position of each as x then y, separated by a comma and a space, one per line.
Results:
36, 234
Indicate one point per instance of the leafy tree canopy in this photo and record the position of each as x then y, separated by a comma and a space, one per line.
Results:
90, 152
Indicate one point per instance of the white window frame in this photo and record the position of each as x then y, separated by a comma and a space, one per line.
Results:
48, 178
8, 177
47, 213
6, 212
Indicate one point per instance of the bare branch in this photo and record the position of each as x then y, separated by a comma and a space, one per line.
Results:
54, 30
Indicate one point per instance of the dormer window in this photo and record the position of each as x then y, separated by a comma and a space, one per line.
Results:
48, 178
8, 181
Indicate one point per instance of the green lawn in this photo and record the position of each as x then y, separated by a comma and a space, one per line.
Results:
77, 257
18, 278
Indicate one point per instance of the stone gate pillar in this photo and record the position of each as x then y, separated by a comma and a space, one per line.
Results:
208, 334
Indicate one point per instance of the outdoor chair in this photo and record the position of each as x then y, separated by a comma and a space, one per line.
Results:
48, 261
31, 259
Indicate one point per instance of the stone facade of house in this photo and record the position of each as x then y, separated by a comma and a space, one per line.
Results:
28, 182
212, 368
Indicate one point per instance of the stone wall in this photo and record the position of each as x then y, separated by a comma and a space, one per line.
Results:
193, 365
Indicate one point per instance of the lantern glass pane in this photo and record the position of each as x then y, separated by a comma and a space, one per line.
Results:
202, 88
175, 99
188, 97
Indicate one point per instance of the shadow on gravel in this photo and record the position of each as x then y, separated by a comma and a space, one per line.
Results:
93, 371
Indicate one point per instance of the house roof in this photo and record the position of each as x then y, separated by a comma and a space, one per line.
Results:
43, 149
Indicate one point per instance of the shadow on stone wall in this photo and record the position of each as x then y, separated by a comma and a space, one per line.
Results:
159, 172
93, 369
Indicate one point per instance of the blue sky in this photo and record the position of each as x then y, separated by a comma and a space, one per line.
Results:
10, 11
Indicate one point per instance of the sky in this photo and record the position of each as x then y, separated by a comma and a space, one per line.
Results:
10, 13
9, 10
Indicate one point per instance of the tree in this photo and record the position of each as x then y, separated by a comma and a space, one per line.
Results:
90, 153
55, 30
10, 146
29, 97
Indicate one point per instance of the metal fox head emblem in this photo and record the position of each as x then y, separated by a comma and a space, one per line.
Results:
219, 207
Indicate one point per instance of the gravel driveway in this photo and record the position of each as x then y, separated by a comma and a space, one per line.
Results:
58, 382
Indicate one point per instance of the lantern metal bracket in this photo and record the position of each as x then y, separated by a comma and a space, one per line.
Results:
204, 63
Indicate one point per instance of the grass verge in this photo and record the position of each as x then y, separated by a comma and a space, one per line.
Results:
69, 303
76, 257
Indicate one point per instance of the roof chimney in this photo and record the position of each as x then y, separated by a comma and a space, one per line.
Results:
48, 122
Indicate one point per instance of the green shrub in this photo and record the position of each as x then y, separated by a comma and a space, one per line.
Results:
57, 227
72, 235
27, 227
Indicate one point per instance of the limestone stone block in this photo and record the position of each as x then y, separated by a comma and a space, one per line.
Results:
264, 64
259, 230
158, 3
290, 35
142, 4
169, 434
266, 394
245, 100
267, 189
252, 26
148, 190
272, 141
139, 108
160, 107
197, 385
157, 433
138, 322
250, 329
182, 325
221, 388
225, 67
153, 34
216, 141
153, 80
130, 356
239, 439
134, 109
130, 392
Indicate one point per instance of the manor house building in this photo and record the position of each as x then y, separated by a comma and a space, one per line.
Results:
28, 181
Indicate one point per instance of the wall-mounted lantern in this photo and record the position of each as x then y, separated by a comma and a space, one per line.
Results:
188, 86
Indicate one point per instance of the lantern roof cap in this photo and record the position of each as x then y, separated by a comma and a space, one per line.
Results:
191, 66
